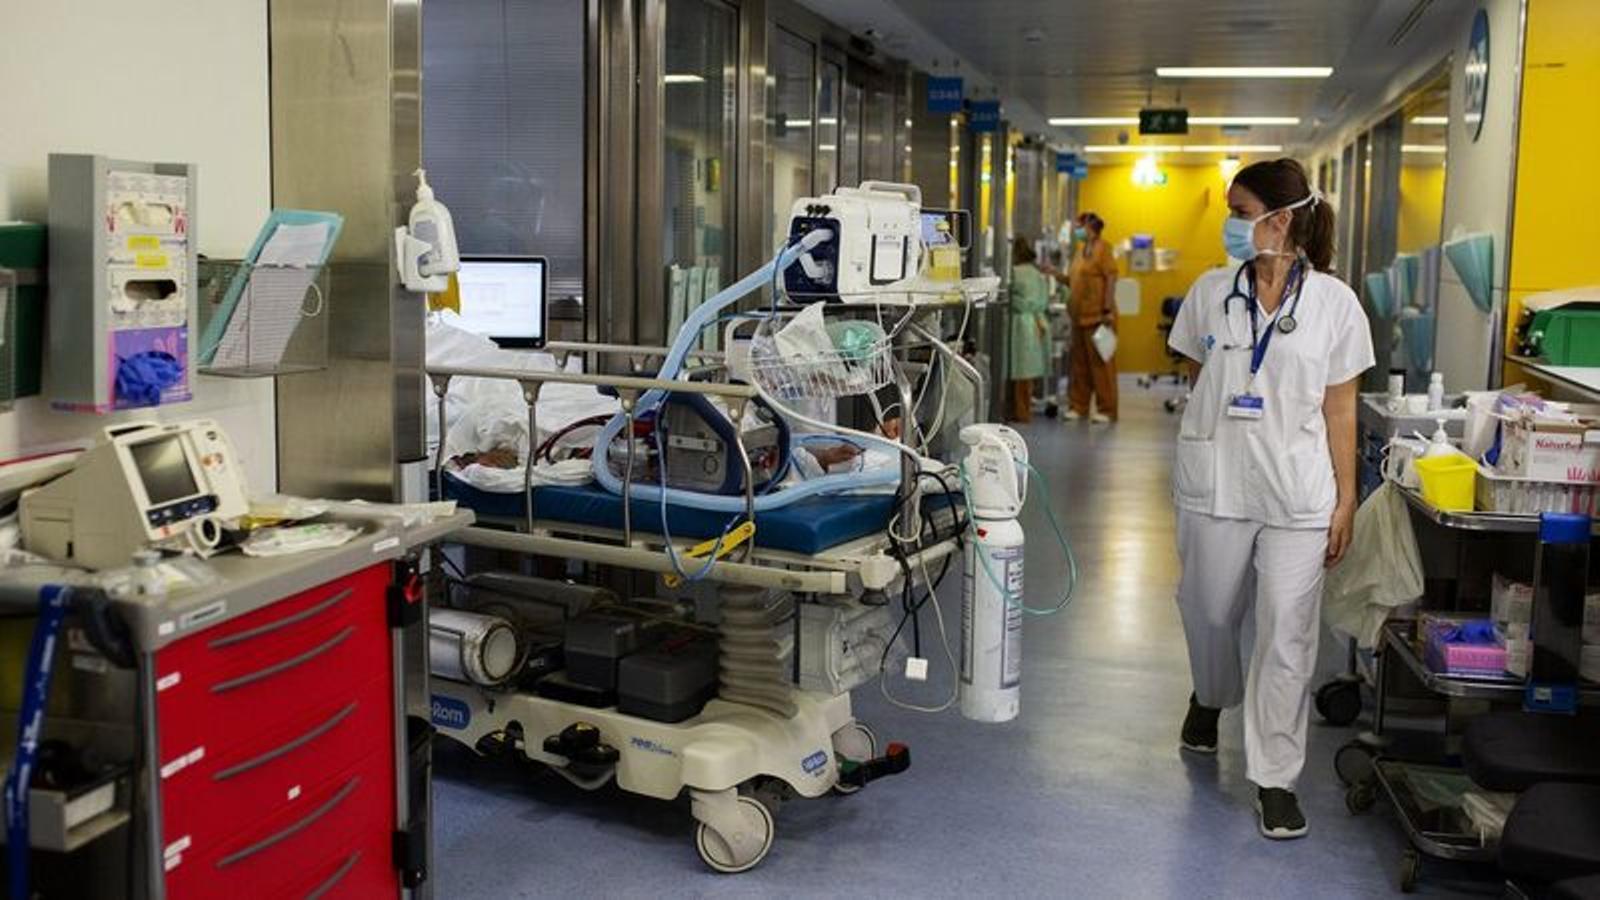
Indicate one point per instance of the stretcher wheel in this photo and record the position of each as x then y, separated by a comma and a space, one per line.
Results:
1360, 798
1353, 763
856, 742
717, 853
1339, 702
1410, 870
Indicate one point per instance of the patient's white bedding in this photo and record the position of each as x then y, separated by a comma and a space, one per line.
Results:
483, 414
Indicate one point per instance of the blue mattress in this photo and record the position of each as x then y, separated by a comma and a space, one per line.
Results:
804, 526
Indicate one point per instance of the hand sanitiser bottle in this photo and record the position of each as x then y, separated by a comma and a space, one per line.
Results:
430, 223
1436, 392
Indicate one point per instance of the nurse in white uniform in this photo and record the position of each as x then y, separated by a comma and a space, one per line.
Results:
1265, 477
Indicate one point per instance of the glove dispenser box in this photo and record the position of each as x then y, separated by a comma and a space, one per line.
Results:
122, 285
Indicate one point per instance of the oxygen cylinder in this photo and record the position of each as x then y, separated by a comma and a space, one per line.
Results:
991, 625
991, 595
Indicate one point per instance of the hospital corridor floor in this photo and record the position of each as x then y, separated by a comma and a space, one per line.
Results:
1085, 794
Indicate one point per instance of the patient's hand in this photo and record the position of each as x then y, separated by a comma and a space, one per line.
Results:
834, 454
495, 458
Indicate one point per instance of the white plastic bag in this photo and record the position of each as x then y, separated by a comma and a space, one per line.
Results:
1382, 569
1105, 342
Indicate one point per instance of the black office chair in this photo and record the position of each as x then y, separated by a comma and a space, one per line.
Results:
1175, 375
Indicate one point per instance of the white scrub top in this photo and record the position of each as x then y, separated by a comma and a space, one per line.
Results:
1275, 470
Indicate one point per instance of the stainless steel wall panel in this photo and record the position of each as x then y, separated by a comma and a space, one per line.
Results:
346, 137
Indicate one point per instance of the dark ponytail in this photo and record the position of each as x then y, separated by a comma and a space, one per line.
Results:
1278, 183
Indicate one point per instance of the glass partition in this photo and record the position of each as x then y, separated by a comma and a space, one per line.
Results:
789, 93
830, 106
503, 123
850, 145
877, 148
1419, 226
699, 87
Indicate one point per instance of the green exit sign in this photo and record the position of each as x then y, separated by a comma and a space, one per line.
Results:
1163, 121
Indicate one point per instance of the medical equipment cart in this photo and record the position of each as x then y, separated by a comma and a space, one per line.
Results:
261, 723
1417, 778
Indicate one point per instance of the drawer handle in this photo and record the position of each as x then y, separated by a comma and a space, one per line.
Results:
291, 746
285, 622
241, 855
278, 667
334, 879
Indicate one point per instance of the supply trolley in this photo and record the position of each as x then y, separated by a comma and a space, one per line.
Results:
1418, 773
683, 628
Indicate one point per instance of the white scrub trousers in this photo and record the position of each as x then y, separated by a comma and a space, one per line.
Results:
1227, 563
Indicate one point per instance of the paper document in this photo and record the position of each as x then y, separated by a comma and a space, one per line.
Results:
265, 319
295, 245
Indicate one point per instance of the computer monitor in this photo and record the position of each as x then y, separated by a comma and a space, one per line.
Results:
503, 298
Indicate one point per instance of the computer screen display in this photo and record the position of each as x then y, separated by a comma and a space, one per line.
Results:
164, 469
503, 298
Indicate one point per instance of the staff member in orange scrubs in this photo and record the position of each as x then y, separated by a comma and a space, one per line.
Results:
1092, 281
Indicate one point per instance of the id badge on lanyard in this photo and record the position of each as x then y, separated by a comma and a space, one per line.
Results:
1246, 406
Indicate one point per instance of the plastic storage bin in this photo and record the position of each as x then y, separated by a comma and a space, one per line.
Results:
1448, 482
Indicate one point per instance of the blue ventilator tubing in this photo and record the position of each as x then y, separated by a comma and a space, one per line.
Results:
704, 315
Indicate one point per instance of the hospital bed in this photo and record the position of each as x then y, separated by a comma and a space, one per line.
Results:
781, 725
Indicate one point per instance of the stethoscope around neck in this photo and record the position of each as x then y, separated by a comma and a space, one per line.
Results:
1284, 320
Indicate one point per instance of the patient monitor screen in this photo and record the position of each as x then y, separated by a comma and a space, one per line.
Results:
164, 469
503, 299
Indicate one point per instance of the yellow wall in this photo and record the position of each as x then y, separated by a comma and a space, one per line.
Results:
1184, 214
1421, 206
1556, 230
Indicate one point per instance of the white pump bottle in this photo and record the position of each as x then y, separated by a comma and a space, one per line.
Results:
426, 248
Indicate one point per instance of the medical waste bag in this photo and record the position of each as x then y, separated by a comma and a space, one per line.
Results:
1382, 569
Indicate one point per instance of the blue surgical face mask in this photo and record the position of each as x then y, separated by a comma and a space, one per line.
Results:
1080, 233
1239, 238
1239, 234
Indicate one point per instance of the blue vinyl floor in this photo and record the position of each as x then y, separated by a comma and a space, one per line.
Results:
1086, 794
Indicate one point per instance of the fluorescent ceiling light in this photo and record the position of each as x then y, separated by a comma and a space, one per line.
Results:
1185, 148
827, 148
797, 123
1072, 121
1430, 120
1422, 148
1243, 71
1079, 121
827, 120
681, 79
1128, 148
1233, 148
1244, 120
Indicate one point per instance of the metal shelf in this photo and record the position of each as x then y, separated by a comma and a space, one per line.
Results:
1583, 380
1397, 640
1495, 522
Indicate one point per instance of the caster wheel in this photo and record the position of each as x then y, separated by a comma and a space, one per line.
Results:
856, 742
1339, 702
1360, 798
1353, 763
1410, 871
718, 854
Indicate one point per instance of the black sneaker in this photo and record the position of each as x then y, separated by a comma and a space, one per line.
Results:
1281, 819
1200, 728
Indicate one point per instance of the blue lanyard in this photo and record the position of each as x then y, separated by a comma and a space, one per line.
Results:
1258, 340
53, 603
